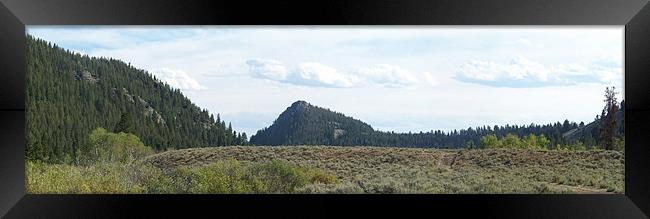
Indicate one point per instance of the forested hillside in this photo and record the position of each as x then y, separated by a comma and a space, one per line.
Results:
69, 94
305, 124
590, 133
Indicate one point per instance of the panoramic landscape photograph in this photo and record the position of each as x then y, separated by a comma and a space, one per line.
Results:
325, 110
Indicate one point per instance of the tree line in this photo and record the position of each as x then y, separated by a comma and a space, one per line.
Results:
305, 124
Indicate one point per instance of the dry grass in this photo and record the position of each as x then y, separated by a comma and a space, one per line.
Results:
411, 170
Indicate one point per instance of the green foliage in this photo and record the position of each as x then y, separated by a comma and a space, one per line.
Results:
510, 141
532, 141
231, 176
319, 176
114, 147
125, 124
222, 177
543, 142
104, 178
490, 141
619, 144
225, 177
580, 146
470, 145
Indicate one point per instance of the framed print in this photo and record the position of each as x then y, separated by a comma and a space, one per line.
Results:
508, 108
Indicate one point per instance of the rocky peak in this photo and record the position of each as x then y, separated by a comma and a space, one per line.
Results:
300, 105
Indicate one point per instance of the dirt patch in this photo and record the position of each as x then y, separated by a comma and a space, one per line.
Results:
448, 159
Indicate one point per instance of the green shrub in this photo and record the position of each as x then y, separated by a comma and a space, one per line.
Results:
320, 176
511, 141
122, 147
221, 177
153, 180
489, 141
106, 178
280, 176
619, 143
533, 141
232, 176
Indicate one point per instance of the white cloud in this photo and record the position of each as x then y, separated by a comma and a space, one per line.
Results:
177, 79
388, 76
320, 75
521, 68
522, 72
529, 43
430, 79
316, 74
524, 42
267, 68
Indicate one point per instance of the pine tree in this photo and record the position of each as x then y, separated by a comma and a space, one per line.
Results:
125, 124
608, 127
244, 138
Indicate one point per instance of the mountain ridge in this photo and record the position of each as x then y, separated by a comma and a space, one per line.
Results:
305, 124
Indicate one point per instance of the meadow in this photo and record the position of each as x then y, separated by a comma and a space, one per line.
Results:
332, 169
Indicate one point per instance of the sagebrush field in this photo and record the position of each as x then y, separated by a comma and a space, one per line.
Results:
328, 169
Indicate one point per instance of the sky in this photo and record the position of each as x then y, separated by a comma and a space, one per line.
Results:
406, 78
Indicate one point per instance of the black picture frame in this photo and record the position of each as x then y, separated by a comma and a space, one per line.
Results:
633, 14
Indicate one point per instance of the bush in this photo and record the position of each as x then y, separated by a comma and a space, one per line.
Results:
619, 143
489, 141
511, 141
280, 176
105, 178
320, 176
533, 141
221, 177
153, 180
225, 177
122, 147
530, 141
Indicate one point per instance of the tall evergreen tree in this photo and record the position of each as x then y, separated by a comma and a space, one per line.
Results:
608, 128
125, 124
